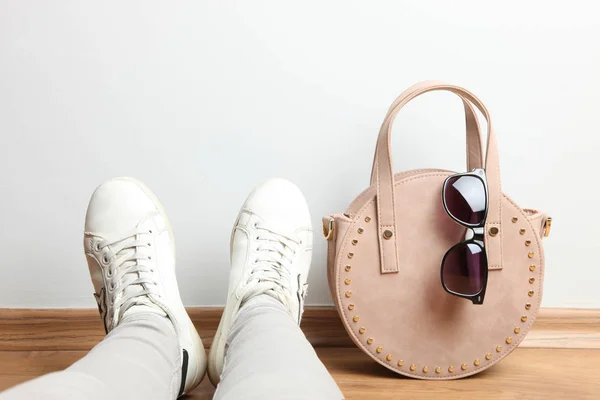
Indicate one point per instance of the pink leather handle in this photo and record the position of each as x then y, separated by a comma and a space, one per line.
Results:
383, 177
474, 149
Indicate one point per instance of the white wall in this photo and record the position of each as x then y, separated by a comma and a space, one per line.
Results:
202, 100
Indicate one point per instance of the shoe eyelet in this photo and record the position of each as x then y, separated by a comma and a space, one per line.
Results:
105, 259
149, 257
111, 287
255, 225
97, 246
149, 244
110, 273
150, 231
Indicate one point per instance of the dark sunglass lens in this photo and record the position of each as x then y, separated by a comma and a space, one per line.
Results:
465, 198
464, 269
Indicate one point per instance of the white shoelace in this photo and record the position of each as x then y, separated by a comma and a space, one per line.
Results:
127, 273
270, 274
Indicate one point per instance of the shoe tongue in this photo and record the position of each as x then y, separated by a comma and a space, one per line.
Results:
275, 250
141, 304
130, 276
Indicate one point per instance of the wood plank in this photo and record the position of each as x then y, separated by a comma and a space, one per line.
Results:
527, 373
81, 329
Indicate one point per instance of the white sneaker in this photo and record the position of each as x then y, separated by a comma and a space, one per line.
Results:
130, 251
271, 248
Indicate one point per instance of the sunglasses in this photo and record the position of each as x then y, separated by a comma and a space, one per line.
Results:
464, 270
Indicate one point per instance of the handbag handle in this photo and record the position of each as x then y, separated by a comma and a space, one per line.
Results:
383, 178
473, 135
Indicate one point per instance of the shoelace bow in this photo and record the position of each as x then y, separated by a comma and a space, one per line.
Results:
128, 275
271, 271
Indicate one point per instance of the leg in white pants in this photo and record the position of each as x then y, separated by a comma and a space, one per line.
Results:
268, 357
140, 359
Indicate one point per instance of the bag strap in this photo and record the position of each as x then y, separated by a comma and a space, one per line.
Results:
383, 177
474, 149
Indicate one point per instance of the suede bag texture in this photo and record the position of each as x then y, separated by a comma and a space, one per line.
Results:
388, 290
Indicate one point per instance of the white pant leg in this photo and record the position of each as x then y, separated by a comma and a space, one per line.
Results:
268, 357
140, 359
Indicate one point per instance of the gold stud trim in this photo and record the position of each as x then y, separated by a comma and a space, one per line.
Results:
367, 219
413, 367
528, 243
360, 230
389, 357
498, 349
347, 281
369, 340
493, 231
531, 293
517, 330
464, 367
438, 370
488, 356
531, 280
348, 294
361, 330
522, 231
348, 268
451, 368
379, 349
514, 220
530, 254
350, 255
524, 318
354, 242
355, 318
387, 234
532, 267
528, 306
350, 307
476, 362
508, 340
400, 363
425, 370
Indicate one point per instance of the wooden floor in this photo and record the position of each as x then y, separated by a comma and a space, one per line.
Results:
526, 374
560, 359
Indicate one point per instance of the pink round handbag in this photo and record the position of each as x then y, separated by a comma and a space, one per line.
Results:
385, 257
